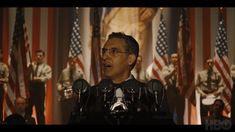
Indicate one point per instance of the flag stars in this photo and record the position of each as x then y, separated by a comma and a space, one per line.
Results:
161, 46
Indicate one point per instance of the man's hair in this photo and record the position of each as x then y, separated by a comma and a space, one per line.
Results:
14, 119
221, 101
40, 51
20, 97
132, 45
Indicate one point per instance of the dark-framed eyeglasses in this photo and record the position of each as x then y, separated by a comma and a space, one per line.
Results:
112, 51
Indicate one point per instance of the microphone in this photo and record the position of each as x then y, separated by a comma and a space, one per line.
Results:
155, 93
156, 88
119, 94
106, 86
131, 88
156, 100
79, 87
118, 105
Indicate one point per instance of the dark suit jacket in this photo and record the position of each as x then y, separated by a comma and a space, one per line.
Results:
29, 120
141, 103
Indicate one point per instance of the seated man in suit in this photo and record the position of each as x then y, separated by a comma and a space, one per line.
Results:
217, 112
119, 97
20, 106
14, 119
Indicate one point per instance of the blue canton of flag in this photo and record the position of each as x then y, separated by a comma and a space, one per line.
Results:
160, 55
221, 40
161, 46
75, 47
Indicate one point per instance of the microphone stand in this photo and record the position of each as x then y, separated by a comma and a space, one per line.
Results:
156, 100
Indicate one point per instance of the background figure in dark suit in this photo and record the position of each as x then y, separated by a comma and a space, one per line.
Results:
20, 106
176, 101
120, 98
40, 73
14, 119
4, 73
217, 111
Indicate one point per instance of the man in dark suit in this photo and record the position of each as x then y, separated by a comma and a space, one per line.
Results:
119, 98
20, 106
4, 73
19, 117
39, 73
217, 111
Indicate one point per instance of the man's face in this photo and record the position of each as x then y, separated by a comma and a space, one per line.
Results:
218, 107
39, 57
115, 59
174, 59
20, 105
72, 62
210, 63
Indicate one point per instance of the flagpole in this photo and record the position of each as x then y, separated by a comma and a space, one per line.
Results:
161, 10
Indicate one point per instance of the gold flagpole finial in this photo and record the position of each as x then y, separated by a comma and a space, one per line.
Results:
221, 9
161, 9
76, 10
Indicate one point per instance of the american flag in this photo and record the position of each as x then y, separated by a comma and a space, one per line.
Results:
222, 63
75, 45
95, 71
185, 58
18, 85
160, 55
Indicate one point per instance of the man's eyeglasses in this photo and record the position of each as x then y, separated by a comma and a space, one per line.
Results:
112, 51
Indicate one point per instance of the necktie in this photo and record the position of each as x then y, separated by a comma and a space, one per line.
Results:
71, 75
36, 70
209, 79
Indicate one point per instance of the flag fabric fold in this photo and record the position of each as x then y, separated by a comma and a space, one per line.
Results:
18, 85
185, 60
221, 61
95, 69
75, 49
160, 53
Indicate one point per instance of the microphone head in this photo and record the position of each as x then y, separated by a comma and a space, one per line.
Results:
80, 85
131, 86
154, 85
106, 85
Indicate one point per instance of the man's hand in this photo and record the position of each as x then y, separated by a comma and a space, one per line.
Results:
2, 80
36, 79
203, 95
216, 93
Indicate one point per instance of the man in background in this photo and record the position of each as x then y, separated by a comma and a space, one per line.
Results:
20, 106
40, 73
4, 73
210, 87
217, 111
64, 86
175, 100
